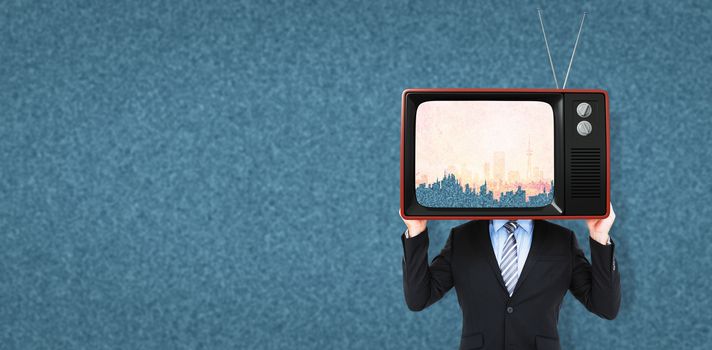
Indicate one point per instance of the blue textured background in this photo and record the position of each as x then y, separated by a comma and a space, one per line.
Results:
224, 174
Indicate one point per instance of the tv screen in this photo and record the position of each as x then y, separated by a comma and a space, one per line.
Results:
484, 154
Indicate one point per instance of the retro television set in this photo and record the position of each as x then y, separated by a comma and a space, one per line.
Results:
504, 153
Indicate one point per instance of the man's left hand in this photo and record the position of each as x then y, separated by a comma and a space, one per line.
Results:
599, 228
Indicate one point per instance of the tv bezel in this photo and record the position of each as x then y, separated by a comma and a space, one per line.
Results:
554, 97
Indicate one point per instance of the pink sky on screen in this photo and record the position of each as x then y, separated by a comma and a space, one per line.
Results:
464, 135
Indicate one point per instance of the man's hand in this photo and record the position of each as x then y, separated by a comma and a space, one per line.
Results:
415, 227
598, 228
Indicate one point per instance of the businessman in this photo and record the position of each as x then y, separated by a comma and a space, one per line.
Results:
511, 276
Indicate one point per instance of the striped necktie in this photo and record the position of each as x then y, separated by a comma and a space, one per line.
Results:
508, 263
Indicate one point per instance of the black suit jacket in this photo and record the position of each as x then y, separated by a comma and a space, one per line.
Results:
526, 320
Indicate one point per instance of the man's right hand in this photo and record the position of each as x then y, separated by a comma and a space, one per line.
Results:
415, 227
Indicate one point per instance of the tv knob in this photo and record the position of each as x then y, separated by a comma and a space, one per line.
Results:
584, 128
583, 109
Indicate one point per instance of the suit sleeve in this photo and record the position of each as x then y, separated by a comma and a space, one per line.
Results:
425, 284
596, 285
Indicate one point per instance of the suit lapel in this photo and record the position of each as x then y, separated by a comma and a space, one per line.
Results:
538, 233
489, 253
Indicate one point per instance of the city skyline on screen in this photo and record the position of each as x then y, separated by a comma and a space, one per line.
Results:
484, 154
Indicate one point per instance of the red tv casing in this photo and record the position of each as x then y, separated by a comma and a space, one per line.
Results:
495, 90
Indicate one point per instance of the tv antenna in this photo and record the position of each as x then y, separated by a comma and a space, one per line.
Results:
548, 52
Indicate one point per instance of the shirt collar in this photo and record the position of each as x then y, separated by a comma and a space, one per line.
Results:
524, 224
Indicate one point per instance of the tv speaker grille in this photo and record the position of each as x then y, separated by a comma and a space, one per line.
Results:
585, 172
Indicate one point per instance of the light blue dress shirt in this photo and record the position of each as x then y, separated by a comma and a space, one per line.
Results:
523, 235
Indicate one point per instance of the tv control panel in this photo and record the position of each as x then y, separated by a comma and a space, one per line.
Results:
586, 153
